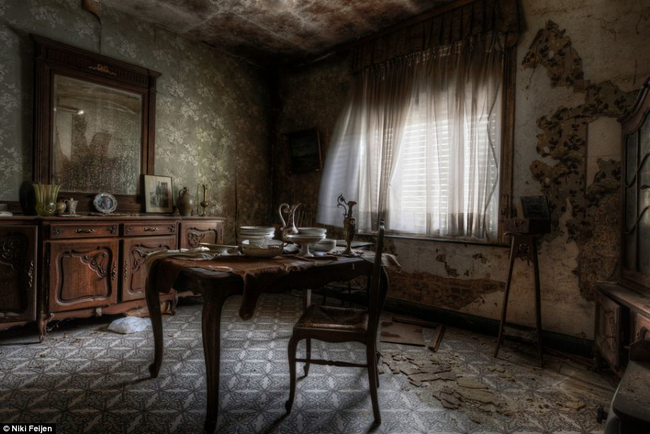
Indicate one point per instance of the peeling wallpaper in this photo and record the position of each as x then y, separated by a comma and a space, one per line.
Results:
579, 66
594, 222
212, 117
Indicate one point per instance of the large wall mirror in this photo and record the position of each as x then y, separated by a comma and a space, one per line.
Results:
94, 124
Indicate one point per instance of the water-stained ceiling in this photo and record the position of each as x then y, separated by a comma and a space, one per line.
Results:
275, 31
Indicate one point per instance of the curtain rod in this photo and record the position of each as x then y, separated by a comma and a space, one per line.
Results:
408, 23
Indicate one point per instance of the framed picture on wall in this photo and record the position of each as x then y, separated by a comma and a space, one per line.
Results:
535, 207
304, 151
158, 194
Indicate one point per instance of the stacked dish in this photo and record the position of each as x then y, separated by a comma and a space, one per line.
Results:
249, 232
257, 241
269, 249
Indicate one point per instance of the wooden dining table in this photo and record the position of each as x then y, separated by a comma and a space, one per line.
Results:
216, 280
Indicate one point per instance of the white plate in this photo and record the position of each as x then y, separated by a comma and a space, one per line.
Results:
219, 248
272, 249
256, 229
105, 203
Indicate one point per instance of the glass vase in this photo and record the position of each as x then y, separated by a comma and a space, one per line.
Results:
46, 199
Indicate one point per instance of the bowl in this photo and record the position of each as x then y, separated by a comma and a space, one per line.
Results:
262, 242
305, 240
326, 245
272, 249
312, 231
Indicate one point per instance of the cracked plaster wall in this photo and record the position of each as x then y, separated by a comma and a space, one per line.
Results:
566, 146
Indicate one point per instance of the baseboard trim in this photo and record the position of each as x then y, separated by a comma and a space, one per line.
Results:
552, 340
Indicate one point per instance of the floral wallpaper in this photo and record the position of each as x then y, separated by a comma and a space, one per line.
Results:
212, 120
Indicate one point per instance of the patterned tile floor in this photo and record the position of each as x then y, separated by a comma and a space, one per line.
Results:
89, 380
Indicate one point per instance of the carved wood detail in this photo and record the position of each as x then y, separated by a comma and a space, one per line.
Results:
195, 233
135, 253
17, 273
94, 262
80, 275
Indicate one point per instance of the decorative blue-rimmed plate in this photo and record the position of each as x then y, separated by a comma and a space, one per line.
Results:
105, 203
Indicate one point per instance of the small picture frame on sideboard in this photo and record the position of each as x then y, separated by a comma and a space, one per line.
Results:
158, 195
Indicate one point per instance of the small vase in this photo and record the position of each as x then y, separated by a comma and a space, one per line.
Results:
185, 202
60, 207
46, 199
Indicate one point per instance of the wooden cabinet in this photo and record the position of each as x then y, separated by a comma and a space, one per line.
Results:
610, 330
55, 267
622, 318
18, 268
134, 272
193, 233
81, 274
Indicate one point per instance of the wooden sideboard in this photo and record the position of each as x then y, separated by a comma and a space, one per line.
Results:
73, 267
622, 318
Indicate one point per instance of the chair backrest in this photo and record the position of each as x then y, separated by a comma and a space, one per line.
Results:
378, 289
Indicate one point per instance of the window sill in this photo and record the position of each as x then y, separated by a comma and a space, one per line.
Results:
440, 240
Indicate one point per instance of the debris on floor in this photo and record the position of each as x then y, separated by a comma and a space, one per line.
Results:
408, 331
437, 338
484, 396
401, 333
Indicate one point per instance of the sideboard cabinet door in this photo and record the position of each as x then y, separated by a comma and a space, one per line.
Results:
18, 273
82, 274
193, 233
609, 336
134, 272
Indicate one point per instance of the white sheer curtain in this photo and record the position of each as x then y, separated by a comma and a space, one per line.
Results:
419, 144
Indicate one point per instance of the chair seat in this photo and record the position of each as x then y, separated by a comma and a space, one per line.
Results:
333, 318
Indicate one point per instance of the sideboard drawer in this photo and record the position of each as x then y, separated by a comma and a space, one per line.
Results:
149, 228
85, 230
193, 233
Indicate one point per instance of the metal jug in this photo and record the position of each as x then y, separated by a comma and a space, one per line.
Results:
288, 226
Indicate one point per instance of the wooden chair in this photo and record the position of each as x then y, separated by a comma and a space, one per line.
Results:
337, 324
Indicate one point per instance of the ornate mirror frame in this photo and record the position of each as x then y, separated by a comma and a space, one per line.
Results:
53, 58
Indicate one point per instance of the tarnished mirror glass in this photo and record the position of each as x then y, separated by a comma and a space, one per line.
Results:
97, 137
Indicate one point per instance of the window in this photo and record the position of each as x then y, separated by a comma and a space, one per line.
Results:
433, 184
420, 144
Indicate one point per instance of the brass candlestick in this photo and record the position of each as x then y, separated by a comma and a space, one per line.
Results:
349, 224
205, 202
